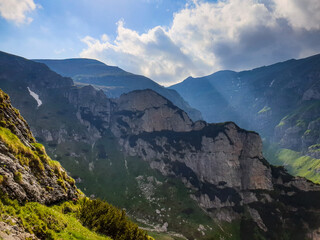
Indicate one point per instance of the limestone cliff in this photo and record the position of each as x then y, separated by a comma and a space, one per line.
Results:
147, 111
222, 163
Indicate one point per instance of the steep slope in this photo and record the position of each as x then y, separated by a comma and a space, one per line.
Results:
113, 80
29, 179
281, 101
27, 173
205, 181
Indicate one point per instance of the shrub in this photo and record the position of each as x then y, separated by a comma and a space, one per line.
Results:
106, 219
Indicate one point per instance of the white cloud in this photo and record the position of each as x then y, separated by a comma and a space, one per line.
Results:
205, 37
300, 13
16, 10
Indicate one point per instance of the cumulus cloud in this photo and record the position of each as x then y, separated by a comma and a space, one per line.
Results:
16, 10
300, 13
205, 37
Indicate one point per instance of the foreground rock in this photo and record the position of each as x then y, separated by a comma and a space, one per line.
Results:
26, 172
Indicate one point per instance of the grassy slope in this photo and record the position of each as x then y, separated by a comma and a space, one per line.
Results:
48, 222
300, 165
296, 163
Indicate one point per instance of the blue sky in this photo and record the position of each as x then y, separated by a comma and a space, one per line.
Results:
58, 26
166, 40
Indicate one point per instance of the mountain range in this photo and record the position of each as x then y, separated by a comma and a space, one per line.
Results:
178, 178
280, 101
113, 80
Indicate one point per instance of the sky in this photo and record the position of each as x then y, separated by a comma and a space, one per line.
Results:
166, 40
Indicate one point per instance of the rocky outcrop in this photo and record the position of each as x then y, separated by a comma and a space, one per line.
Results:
219, 161
26, 172
147, 111
11, 119
219, 154
14, 232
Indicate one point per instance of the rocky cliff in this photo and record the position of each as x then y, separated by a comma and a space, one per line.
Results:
224, 166
27, 173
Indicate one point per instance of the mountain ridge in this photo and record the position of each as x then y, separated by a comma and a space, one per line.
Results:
113, 80
280, 101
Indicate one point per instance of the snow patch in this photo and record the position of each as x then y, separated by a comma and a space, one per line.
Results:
271, 83
35, 96
126, 164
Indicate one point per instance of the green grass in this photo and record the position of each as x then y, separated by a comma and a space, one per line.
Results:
314, 148
264, 110
34, 158
296, 163
68, 220
300, 165
48, 222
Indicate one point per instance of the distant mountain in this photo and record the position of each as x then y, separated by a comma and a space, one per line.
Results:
113, 80
281, 101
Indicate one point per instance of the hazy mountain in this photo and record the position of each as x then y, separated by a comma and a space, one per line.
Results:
141, 152
113, 80
281, 101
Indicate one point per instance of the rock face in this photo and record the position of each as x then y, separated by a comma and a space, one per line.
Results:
27, 173
219, 161
147, 111
9, 232
218, 154
93, 107
222, 164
